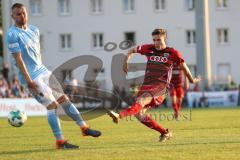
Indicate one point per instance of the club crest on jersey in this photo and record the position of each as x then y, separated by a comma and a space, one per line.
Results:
158, 59
166, 55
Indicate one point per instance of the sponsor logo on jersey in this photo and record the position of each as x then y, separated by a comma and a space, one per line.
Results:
158, 59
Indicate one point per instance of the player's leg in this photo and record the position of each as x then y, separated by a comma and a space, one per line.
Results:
48, 100
69, 108
180, 95
148, 121
179, 103
54, 123
134, 109
174, 102
145, 119
145, 97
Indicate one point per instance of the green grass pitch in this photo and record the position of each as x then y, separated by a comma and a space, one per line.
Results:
202, 134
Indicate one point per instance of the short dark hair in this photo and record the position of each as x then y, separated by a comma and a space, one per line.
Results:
17, 5
160, 31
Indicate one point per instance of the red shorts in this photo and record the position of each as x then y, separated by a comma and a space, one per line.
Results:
157, 92
177, 91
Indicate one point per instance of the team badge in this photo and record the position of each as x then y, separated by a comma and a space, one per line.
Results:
166, 55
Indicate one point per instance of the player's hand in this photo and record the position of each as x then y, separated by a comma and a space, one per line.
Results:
33, 87
125, 67
197, 79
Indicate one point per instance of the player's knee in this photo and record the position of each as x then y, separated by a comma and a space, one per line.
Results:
139, 116
62, 99
174, 99
141, 101
180, 100
144, 100
53, 105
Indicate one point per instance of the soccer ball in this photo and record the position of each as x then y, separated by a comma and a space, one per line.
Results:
17, 118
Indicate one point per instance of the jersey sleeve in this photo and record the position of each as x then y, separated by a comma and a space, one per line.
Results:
143, 49
12, 43
178, 57
36, 30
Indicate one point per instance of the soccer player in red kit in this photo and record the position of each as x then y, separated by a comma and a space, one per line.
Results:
176, 88
160, 59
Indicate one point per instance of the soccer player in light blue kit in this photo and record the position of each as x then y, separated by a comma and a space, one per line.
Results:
23, 44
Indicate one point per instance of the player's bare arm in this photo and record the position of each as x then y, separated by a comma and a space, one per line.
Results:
22, 67
187, 72
186, 83
128, 57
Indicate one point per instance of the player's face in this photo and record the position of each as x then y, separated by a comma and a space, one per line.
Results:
19, 16
159, 42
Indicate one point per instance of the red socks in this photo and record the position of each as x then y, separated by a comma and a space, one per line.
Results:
149, 122
132, 110
179, 106
175, 107
144, 119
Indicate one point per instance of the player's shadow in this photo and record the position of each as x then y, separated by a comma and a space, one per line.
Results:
25, 151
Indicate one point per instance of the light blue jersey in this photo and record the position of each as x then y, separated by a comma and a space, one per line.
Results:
27, 43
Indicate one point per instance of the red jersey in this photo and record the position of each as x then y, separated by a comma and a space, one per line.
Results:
177, 76
159, 64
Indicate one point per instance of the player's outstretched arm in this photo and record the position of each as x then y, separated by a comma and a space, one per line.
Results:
22, 67
187, 72
128, 57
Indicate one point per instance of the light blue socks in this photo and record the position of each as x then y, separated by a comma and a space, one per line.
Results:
55, 124
72, 112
